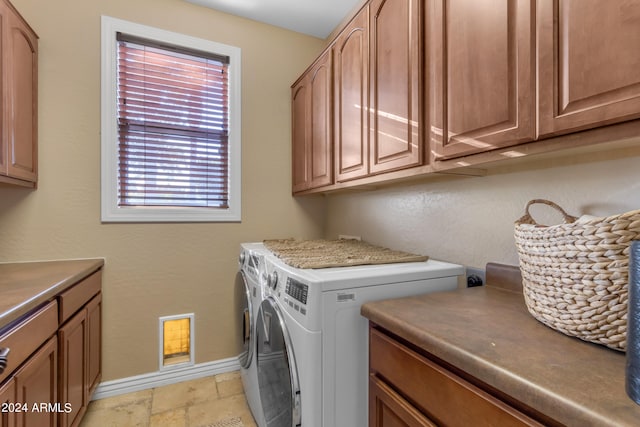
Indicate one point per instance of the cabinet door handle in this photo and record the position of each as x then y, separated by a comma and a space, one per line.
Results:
4, 357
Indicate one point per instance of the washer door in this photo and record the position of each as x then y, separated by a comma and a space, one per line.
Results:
244, 320
277, 372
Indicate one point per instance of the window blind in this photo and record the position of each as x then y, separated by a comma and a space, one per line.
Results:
173, 126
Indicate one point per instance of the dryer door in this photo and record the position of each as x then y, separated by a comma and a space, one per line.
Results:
244, 320
277, 371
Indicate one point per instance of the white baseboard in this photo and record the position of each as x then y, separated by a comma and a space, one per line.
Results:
164, 377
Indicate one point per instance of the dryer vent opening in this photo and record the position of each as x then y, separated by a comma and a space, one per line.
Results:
176, 340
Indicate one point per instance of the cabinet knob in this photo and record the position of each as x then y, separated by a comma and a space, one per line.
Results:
4, 357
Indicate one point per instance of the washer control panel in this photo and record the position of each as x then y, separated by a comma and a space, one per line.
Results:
254, 265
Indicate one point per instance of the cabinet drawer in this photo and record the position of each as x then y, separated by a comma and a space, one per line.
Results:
77, 296
28, 335
441, 395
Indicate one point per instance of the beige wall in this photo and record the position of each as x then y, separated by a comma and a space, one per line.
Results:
154, 270
470, 220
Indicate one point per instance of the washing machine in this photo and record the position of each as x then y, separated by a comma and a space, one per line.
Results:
312, 342
248, 296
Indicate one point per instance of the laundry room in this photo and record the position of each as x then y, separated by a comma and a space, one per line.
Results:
421, 128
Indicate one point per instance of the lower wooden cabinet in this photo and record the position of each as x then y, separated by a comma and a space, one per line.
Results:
36, 387
73, 367
388, 408
7, 399
54, 363
408, 389
79, 361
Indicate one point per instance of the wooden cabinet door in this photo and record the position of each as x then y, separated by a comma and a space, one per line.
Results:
20, 64
312, 144
7, 395
321, 109
94, 343
5, 11
483, 75
80, 360
388, 409
396, 83
589, 61
435, 390
299, 121
73, 356
36, 384
351, 100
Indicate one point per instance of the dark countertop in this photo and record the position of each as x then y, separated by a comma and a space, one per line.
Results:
26, 285
488, 333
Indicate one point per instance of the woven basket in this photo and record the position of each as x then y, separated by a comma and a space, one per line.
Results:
575, 275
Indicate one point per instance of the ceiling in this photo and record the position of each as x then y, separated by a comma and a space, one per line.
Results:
317, 18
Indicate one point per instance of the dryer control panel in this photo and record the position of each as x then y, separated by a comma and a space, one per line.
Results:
297, 290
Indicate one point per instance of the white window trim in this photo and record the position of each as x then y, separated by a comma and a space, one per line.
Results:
111, 212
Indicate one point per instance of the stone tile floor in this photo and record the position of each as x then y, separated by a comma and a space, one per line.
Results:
196, 403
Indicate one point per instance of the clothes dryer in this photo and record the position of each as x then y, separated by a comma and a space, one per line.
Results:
312, 342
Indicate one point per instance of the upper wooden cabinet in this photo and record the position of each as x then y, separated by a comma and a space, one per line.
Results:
485, 93
420, 84
18, 146
312, 126
378, 70
483, 71
351, 88
395, 69
299, 118
589, 62
377, 103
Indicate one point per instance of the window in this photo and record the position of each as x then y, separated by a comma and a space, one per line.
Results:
170, 126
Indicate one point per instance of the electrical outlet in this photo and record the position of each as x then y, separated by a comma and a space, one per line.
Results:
348, 237
475, 277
